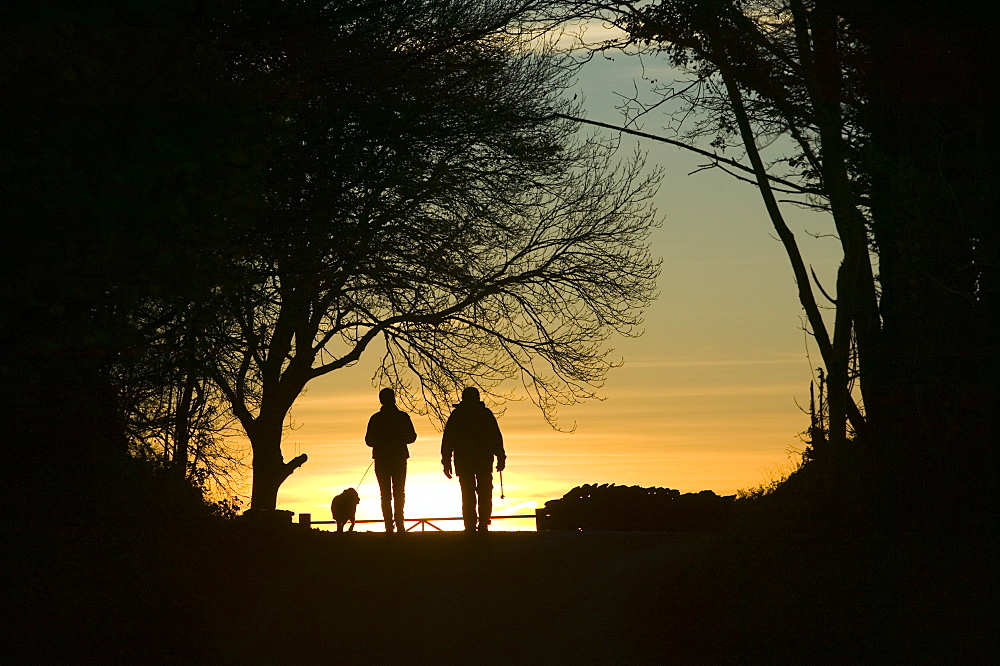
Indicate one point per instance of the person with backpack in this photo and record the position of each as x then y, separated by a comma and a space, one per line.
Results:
472, 438
389, 431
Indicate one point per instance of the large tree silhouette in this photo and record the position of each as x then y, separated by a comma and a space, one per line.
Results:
423, 198
889, 117
756, 72
900, 167
255, 193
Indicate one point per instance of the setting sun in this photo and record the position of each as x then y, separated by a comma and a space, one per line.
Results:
428, 495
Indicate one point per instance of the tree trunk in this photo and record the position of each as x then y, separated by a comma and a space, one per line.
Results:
269, 467
182, 427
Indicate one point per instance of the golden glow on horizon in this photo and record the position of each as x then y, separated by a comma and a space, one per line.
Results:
694, 436
428, 495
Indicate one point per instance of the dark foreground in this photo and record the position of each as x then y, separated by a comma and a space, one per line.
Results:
243, 595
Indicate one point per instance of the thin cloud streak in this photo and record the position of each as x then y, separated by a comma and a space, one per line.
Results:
705, 363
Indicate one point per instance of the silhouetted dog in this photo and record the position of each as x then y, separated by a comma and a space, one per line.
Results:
343, 508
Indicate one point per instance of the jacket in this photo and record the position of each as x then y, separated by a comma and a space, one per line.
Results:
389, 431
472, 436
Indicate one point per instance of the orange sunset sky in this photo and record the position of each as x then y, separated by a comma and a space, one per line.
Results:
708, 397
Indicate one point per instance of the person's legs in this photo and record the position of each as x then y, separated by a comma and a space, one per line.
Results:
383, 472
468, 484
484, 488
399, 494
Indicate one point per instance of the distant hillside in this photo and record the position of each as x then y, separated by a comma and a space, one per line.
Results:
636, 509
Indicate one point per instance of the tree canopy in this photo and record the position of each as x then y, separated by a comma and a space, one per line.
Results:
223, 202
842, 91
428, 201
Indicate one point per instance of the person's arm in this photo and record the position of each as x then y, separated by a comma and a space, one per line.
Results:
372, 436
498, 449
447, 448
408, 433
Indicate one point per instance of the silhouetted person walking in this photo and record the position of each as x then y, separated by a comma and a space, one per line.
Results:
473, 437
389, 431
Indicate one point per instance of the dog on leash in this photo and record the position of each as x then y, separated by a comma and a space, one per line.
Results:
344, 507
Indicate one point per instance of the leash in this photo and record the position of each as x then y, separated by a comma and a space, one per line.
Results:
365, 474
501, 486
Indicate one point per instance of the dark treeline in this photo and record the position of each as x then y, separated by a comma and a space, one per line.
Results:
889, 132
208, 204
214, 204
886, 111
130, 167
636, 509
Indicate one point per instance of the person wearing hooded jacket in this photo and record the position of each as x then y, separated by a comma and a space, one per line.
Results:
472, 438
389, 431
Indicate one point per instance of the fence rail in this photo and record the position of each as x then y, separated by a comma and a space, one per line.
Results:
305, 519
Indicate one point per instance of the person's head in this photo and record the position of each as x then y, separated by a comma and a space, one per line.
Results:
470, 394
387, 396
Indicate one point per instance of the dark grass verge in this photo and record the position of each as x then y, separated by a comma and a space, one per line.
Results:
236, 594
